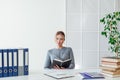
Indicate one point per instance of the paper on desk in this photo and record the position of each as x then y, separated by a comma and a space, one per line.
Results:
60, 74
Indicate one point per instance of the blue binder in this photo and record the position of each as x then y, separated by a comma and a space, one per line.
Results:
1, 63
15, 62
26, 61
5, 62
10, 67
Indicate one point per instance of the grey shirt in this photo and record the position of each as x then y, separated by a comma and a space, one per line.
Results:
62, 54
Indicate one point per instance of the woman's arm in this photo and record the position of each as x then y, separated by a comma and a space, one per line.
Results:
72, 65
48, 61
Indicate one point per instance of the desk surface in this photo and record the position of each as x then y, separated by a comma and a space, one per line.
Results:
40, 75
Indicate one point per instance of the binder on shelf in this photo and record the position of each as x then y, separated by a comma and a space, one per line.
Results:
10, 67
5, 63
26, 61
15, 62
1, 63
20, 62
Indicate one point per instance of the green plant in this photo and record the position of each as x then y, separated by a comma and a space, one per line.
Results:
111, 31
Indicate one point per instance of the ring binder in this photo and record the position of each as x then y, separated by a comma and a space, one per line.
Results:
26, 59
15, 62
10, 67
5, 63
1, 64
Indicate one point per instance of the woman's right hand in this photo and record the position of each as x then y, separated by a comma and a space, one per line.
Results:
57, 67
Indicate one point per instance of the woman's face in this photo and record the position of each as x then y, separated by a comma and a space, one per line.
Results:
59, 40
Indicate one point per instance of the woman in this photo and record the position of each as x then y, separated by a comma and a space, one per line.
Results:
61, 52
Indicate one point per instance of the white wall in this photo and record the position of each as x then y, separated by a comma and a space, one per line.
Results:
74, 28
105, 9
84, 28
31, 24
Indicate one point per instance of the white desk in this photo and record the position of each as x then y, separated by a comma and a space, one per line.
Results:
40, 75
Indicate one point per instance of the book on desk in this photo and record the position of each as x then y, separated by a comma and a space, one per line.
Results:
61, 63
110, 66
59, 75
92, 75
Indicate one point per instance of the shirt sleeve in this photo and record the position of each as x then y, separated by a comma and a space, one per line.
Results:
72, 65
48, 61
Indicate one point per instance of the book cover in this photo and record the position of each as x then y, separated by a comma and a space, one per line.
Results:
92, 75
61, 63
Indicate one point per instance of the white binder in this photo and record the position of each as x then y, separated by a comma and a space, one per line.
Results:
20, 62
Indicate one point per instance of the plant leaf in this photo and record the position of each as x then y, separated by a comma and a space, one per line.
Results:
104, 33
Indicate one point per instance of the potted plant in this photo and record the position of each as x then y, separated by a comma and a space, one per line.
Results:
111, 65
111, 31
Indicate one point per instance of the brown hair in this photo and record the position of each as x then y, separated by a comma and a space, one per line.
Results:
60, 32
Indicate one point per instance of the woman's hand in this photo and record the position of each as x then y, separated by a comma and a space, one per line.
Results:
62, 68
57, 67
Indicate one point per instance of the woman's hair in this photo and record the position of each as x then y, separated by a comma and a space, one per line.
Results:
60, 32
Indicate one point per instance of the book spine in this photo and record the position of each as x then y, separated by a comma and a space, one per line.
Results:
110, 63
110, 60
111, 66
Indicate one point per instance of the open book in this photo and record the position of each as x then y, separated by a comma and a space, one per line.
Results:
61, 63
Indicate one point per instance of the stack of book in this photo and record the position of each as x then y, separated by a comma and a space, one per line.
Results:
110, 66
